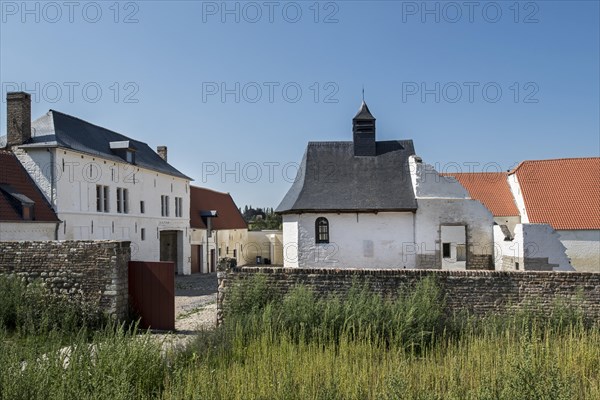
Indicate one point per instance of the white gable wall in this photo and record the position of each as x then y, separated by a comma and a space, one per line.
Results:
515, 188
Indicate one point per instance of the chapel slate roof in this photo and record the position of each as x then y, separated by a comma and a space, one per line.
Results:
14, 180
331, 179
490, 188
228, 215
58, 129
564, 193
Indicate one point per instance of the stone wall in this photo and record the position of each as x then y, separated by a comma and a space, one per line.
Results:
95, 271
479, 292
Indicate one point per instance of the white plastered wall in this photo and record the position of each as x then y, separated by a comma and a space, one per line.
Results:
27, 230
356, 240
443, 201
583, 248
73, 194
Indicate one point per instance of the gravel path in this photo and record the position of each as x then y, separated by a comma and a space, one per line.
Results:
195, 309
195, 301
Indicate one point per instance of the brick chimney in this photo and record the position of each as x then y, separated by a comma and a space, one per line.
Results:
18, 118
162, 152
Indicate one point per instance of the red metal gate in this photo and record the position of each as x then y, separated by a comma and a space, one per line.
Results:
152, 293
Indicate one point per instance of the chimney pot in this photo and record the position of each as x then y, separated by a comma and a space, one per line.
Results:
162, 152
18, 118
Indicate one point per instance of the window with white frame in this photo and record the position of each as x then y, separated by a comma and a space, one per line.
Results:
102, 198
123, 200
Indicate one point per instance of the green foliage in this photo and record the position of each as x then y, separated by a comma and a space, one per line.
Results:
301, 346
116, 364
262, 219
249, 296
412, 319
32, 309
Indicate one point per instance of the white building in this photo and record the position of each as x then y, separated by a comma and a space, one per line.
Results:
565, 194
547, 211
102, 184
370, 204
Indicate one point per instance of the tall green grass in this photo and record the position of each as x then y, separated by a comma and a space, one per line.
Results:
412, 319
115, 363
31, 309
301, 346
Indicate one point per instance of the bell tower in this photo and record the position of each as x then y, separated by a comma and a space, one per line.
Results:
363, 130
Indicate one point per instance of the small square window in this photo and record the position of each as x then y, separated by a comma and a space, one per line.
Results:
143, 233
142, 207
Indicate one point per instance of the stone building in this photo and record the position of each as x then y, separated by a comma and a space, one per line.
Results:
374, 204
102, 184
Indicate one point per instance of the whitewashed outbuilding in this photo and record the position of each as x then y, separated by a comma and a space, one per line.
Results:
374, 204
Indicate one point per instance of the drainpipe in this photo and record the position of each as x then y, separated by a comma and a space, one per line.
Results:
57, 227
207, 252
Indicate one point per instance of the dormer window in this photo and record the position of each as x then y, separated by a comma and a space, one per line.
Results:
21, 203
124, 149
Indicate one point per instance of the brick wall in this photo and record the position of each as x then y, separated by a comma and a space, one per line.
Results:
95, 271
480, 292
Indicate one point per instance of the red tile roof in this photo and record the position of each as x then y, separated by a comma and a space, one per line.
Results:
13, 174
564, 193
229, 216
490, 188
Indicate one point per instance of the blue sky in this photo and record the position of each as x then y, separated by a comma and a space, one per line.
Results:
237, 89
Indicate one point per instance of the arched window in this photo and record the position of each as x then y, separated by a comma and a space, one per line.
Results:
321, 230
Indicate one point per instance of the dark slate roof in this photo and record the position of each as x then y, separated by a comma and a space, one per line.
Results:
228, 215
58, 129
331, 178
16, 186
364, 112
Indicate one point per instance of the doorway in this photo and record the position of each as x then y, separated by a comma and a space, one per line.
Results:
168, 247
196, 258
454, 246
